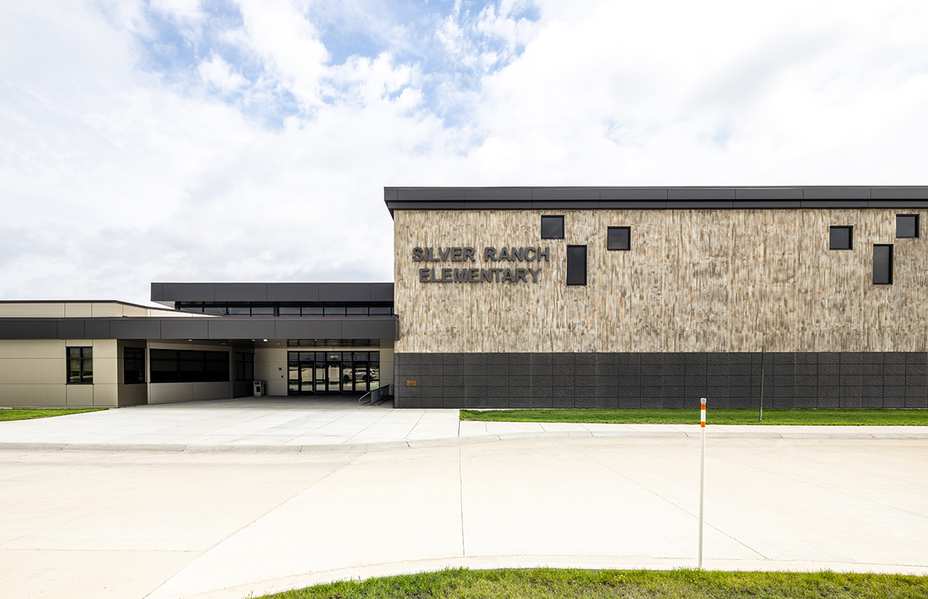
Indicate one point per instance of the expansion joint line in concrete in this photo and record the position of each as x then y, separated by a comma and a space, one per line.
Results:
461, 497
270, 510
657, 494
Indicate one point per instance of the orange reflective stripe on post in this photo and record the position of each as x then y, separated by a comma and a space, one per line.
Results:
702, 411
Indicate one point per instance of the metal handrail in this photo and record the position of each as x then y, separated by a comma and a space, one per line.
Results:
375, 396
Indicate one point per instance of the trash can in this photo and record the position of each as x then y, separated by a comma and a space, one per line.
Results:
258, 388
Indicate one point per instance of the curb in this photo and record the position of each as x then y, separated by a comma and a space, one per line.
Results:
459, 441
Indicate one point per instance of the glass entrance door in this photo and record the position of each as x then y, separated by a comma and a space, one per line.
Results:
332, 372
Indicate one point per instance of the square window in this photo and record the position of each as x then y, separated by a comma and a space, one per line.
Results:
576, 265
906, 226
882, 264
619, 238
841, 238
552, 227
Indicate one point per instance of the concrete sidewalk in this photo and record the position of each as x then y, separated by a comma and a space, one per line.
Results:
168, 526
313, 425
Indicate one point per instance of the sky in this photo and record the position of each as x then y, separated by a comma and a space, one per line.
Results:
250, 140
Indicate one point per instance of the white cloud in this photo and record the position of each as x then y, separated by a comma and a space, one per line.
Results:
113, 174
187, 11
219, 74
279, 34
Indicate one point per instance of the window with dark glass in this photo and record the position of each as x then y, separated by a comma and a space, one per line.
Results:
133, 365
80, 365
262, 310
882, 264
244, 363
552, 227
289, 310
906, 226
188, 366
381, 310
312, 310
357, 310
218, 310
333, 311
619, 238
239, 310
841, 237
576, 265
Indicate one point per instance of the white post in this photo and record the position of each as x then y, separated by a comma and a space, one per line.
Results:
702, 472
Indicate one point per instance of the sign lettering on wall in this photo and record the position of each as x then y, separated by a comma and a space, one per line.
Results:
488, 272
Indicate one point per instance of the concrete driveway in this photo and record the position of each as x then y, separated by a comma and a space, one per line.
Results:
269, 422
165, 525
295, 425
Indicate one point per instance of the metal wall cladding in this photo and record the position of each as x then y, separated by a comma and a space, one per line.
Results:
662, 380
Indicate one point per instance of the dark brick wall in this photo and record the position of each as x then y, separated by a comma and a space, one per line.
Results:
669, 380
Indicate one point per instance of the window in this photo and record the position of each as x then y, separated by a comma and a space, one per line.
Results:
841, 238
239, 311
133, 365
312, 310
80, 365
188, 366
619, 238
244, 366
381, 310
906, 226
217, 310
334, 310
882, 264
262, 310
576, 265
289, 310
357, 310
552, 227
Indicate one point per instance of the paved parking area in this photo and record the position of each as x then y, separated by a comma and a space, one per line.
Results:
166, 525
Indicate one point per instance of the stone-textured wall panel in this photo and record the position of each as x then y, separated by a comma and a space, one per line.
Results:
694, 281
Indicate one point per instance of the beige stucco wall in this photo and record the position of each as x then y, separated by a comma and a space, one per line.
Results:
694, 280
33, 373
271, 367
65, 309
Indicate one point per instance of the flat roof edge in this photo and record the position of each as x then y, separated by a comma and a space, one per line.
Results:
654, 197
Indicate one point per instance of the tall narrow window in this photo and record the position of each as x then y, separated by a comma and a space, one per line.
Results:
133, 365
244, 366
576, 265
80, 365
841, 238
619, 238
906, 226
882, 264
552, 227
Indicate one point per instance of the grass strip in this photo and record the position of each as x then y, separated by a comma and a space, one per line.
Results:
821, 417
28, 414
625, 584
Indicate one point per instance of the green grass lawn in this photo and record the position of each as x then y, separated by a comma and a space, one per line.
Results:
29, 413
721, 416
621, 584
